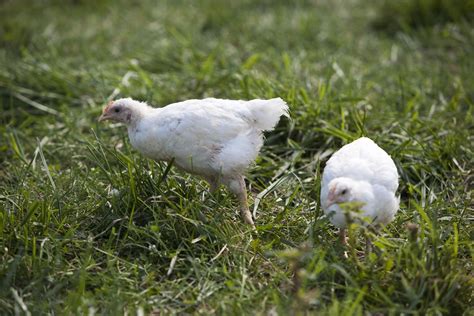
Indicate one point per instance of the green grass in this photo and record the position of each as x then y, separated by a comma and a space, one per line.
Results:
406, 14
88, 225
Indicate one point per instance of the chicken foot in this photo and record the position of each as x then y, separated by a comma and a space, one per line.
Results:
237, 186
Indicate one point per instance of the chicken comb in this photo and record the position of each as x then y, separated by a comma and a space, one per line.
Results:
108, 106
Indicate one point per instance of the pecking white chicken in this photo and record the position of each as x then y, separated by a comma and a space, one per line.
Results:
212, 138
360, 172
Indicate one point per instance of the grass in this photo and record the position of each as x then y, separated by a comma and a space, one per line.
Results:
406, 14
87, 225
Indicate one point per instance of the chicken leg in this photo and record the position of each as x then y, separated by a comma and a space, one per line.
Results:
213, 183
237, 186
368, 245
343, 236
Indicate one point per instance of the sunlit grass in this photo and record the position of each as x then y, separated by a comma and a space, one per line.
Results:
88, 225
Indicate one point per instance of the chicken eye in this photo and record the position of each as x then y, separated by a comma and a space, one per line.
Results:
344, 191
117, 110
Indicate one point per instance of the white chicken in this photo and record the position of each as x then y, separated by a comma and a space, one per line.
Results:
213, 138
360, 172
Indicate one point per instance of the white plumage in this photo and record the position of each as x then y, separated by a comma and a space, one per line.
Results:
213, 138
360, 172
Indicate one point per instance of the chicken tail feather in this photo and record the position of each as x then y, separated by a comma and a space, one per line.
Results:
267, 113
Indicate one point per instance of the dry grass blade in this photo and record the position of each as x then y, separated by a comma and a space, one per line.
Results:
35, 104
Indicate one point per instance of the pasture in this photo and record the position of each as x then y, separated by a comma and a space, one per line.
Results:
89, 226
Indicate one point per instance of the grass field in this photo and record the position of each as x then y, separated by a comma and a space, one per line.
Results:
87, 225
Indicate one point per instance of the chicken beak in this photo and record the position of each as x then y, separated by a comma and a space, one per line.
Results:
103, 117
331, 198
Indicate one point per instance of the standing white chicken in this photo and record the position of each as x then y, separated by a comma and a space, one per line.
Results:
213, 138
360, 172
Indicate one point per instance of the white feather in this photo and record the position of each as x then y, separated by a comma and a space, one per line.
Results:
372, 175
266, 113
209, 137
